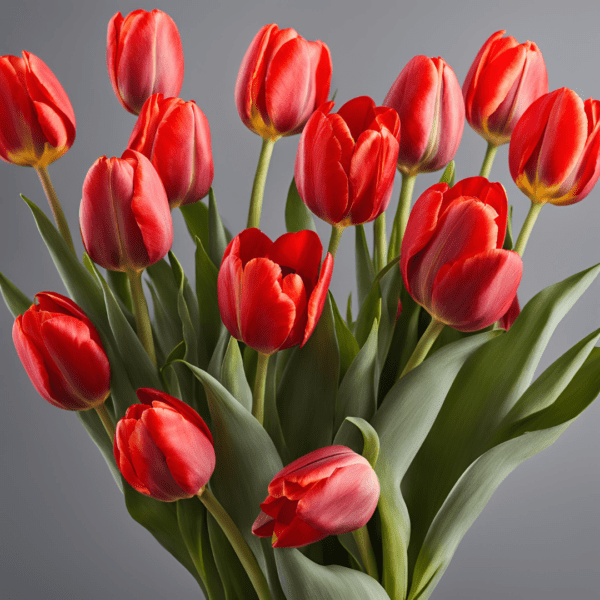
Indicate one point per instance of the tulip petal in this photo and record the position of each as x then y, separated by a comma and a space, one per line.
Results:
122, 454
318, 297
264, 525
296, 534
293, 287
300, 251
511, 314
250, 243
358, 114
229, 286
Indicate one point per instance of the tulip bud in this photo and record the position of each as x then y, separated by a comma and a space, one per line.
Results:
36, 116
271, 294
144, 57
62, 353
554, 153
329, 491
346, 162
427, 97
175, 136
163, 448
124, 216
452, 260
283, 78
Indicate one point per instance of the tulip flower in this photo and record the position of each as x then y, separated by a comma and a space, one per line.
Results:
163, 448
62, 353
144, 57
175, 136
329, 491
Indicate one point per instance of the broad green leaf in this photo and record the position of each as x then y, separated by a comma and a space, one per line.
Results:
16, 301
372, 444
449, 174
177, 354
216, 360
391, 287
349, 319
508, 240
370, 310
196, 219
168, 330
348, 346
297, 215
119, 285
272, 423
233, 376
217, 238
365, 272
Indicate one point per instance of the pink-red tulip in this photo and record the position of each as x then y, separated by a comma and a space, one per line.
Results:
37, 123
427, 97
554, 153
504, 79
346, 162
163, 448
271, 294
144, 57
124, 216
329, 491
175, 136
283, 78
452, 260
62, 353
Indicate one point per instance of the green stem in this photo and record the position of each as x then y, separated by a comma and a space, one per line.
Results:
525, 232
238, 543
258, 398
258, 188
334, 240
57, 211
106, 421
402, 214
488, 161
380, 242
363, 541
424, 346
142, 317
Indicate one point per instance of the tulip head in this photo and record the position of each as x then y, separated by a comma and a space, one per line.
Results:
271, 294
452, 260
283, 78
62, 353
144, 57
503, 81
346, 162
175, 136
329, 491
36, 116
427, 97
554, 153
163, 448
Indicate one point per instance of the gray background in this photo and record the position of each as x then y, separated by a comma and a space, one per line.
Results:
64, 528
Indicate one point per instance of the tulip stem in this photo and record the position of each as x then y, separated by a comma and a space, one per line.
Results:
488, 161
363, 541
380, 242
106, 420
334, 240
525, 232
258, 398
243, 551
142, 317
258, 188
402, 214
57, 211
424, 346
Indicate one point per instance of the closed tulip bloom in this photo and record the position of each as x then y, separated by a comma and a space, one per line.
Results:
554, 153
283, 78
271, 294
175, 136
346, 162
163, 448
329, 491
144, 57
62, 353
452, 260
37, 123
427, 97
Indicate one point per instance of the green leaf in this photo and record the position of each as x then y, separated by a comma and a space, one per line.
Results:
297, 214
233, 376
217, 239
16, 301
119, 285
449, 174
508, 240
349, 311
196, 219
369, 311
371, 444
348, 346
365, 272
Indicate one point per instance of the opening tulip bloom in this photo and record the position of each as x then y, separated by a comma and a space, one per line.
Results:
504, 79
38, 122
452, 261
124, 216
62, 353
346, 162
554, 153
144, 56
427, 97
175, 136
283, 78
163, 448
329, 491
271, 294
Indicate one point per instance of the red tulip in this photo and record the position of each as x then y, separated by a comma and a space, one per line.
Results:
144, 57
452, 261
346, 162
329, 491
175, 136
504, 79
163, 448
271, 294
427, 97
62, 353
283, 78
554, 153
124, 216
37, 123
507, 320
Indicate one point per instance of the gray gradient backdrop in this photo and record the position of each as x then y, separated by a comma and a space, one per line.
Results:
64, 528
